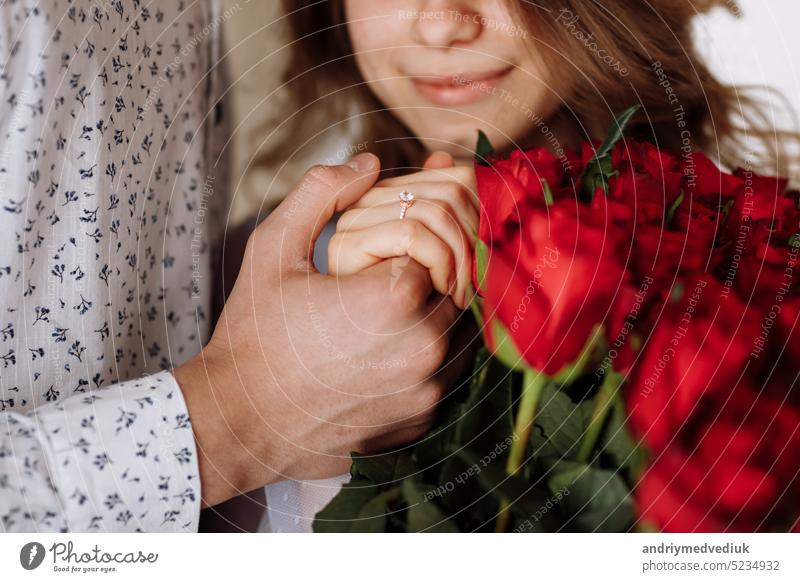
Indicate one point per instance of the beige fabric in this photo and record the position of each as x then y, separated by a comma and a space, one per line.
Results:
256, 61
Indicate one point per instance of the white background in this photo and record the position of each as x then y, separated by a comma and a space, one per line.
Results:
761, 47
408, 557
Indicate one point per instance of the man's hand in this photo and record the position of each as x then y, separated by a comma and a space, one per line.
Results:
303, 368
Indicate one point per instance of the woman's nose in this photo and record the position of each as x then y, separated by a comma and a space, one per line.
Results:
446, 23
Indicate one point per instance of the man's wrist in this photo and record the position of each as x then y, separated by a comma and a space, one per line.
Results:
219, 421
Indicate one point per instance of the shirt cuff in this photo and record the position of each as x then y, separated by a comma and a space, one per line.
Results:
124, 458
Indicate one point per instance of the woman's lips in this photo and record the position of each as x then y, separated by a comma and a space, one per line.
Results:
459, 88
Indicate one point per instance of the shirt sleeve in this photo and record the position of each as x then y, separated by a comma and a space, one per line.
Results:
121, 459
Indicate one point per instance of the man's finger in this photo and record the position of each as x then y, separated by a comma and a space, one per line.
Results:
294, 226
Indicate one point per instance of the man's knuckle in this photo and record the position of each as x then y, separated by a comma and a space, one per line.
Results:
428, 398
320, 176
434, 349
405, 296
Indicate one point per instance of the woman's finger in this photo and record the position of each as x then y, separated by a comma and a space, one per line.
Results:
438, 160
353, 251
436, 216
462, 203
464, 176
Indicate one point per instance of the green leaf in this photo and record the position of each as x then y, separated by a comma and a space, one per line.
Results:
548, 193
598, 500
677, 293
382, 468
526, 498
454, 413
599, 170
424, 515
359, 507
560, 425
602, 403
616, 130
488, 408
483, 149
465, 500
481, 261
726, 208
674, 206
618, 445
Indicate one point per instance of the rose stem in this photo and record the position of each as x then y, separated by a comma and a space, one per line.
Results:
602, 404
532, 385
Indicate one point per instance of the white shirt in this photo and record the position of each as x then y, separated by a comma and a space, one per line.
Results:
107, 187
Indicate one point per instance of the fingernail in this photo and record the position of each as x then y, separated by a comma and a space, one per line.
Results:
362, 162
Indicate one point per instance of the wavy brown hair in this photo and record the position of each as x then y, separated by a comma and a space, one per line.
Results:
683, 103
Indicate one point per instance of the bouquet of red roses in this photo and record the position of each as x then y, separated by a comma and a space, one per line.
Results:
640, 313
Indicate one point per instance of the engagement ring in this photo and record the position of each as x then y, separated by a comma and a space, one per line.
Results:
406, 201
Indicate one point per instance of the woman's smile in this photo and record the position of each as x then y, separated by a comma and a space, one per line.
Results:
459, 88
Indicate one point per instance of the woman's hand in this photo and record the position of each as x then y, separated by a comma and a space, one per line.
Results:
438, 229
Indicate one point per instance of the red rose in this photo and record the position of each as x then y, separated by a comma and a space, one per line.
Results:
778, 341
666, 255
763, 272
757, 253
509, 188
553, 283
647, 180
501, 195
706, 181
645, 158
533, 166
644, 195
761, 199
722, 452
700, 346
787, 333
730, 466
658, 255
699, 217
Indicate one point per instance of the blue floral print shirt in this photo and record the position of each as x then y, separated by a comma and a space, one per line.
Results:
107, 188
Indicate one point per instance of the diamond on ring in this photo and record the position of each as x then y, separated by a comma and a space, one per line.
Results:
406, 201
